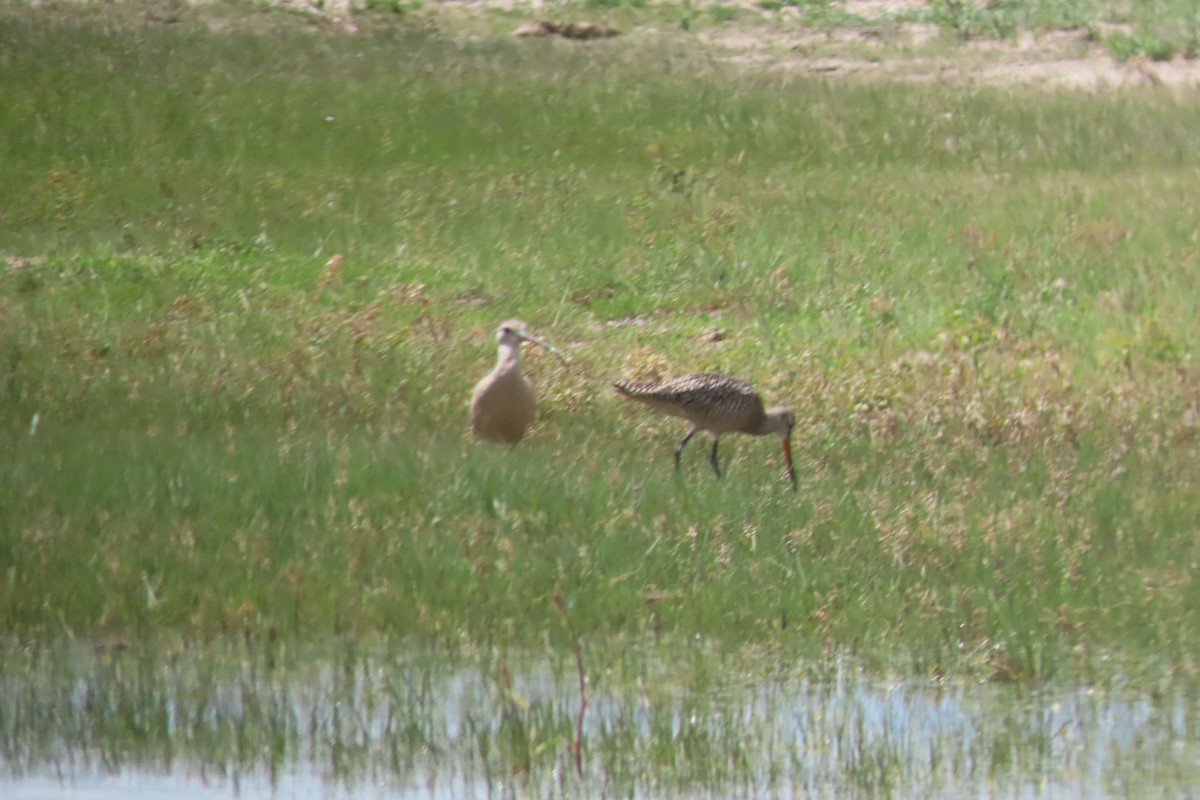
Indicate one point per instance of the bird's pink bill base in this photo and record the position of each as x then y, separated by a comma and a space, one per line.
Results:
787, 454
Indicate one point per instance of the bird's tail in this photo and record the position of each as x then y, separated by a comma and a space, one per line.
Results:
631, 389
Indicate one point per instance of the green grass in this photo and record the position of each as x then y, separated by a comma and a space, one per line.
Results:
980, 302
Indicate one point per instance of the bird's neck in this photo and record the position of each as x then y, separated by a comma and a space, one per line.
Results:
508, 357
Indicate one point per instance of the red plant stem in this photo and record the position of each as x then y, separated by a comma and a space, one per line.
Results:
562, 607
582, 710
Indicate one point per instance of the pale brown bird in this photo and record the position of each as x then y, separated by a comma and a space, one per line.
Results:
504, 405
717, 404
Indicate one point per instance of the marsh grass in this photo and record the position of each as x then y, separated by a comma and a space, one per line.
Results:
981, 304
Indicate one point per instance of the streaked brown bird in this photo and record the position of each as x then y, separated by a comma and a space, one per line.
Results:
717, 404
504, 405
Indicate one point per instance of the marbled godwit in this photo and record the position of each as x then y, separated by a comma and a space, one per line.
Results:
504, 405
719, 405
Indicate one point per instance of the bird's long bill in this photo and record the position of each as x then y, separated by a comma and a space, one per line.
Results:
787, 454
529, 337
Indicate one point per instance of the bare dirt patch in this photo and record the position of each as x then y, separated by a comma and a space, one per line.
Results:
886, 45
1061, 59
873, 39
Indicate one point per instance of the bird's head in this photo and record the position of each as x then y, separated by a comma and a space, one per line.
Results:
514, 331
781, 421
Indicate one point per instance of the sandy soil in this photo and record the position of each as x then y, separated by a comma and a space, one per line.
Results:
881, 47
1057, 59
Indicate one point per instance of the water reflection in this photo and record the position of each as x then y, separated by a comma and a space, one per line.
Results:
264, 722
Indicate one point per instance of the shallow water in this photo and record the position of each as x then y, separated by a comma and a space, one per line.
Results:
349, 725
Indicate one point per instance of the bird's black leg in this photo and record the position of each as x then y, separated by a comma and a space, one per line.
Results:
679, 448
713, 459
